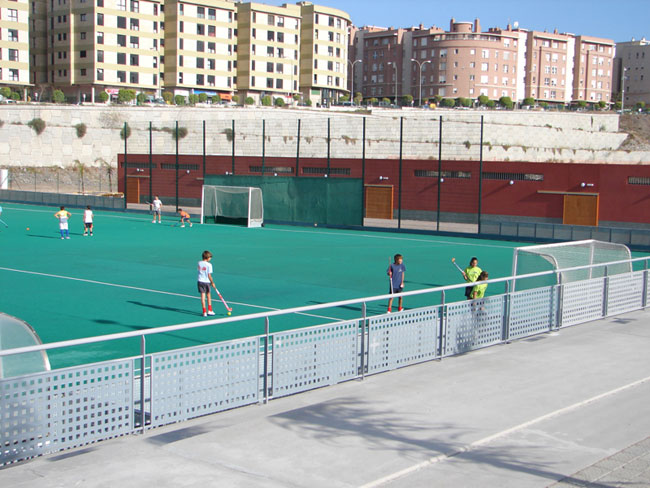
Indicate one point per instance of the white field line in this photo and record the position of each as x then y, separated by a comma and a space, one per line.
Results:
148, 290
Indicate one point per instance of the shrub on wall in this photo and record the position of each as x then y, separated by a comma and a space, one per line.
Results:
235, 98
168, 97
5, 91
125, 132
249, 101
179, 100
279, 102
203, 97
38, 125
81, 130
125, 96
103, 97
266, 101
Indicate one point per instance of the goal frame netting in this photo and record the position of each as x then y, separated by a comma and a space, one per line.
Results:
253, 214
563, 255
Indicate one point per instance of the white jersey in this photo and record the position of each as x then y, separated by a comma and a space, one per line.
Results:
88, 216
205, 270
157, 204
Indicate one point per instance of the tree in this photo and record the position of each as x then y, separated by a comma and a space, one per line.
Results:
141, 98
103, 96
344, 98
640, 105
528, 102
490, 104
373, 101
617, 105
168, 97
483, 100
463, 102
58, 96
438, 99
407, 99
179, 100
385, 100
544, 105
249, 101
5, 91
267, 101
448, 102
15, 96
81, 168
602, 104
279, 102
506, 102
125, 131
109, 171
309, 102
125, 95
81, 130
296, 97
235, 98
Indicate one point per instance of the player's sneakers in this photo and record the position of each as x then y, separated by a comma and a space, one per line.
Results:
210, 312
205, 314
400, 309
85, 235
68, 237
183, 225
190, 224
388, 311
153, 221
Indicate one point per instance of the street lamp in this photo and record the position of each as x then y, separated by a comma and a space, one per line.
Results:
352, 78
157, 66
420, 64
394, 65
623, 70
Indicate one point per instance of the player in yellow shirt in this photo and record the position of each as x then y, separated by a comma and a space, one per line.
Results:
471, 274
63, 215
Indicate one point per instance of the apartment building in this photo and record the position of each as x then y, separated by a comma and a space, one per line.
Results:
632, 58
593, 69
323, 53
467, 62
268, 51
201, 47
38, 46
14, 43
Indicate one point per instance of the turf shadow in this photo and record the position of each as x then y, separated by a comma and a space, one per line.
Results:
166, 309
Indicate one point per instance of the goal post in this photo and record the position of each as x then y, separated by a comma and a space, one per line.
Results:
232, 204
563, 255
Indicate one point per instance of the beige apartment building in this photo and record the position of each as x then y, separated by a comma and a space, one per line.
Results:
14, 44
633, 59
201, 47
593, 69
323, 53
268, 51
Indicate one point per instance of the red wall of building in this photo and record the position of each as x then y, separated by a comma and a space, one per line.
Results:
619, 200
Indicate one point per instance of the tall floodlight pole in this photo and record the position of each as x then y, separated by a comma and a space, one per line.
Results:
420, 64
394, 65
623, 70
352, 63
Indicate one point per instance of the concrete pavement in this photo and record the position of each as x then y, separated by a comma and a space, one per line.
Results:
556, 409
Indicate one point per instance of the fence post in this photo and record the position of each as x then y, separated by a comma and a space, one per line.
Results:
143, 352
150, 162
298, 150
644, 300
506, 314
203, 153
439, 170
560, 302
233, 147
176, 165
263, 145
363, 340
329, 139
605, 291
125, 165
441, 325
265, 396
399, 201
480, 179
363, 171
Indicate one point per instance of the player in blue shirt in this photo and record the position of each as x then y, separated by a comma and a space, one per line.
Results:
396, 272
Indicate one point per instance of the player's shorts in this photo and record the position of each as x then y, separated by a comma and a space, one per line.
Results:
88, 225
63, 226
468, 292
395, 290
156, 212
203, 287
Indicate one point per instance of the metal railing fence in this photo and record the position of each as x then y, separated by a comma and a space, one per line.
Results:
60, 409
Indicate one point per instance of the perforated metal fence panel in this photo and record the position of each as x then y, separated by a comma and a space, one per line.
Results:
625, 292
310, 358
403, 338
582, 301
532, 312
473, 324
49, 412
202, 380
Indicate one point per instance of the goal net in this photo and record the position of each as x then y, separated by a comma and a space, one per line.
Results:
232, 204
535, 259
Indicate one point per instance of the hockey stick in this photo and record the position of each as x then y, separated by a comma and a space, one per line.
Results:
223, 301
4, 223
453, 261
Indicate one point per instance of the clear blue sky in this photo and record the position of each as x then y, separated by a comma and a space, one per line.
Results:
619, 20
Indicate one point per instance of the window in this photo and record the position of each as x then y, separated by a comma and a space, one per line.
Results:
82, 71
134, 60
13, 54
211, 64
211, 80
12, 14
82, 54
485, 66
200, 29
13, 35
180, 60
270, 36
82, 36
200, 63
200, 12
279, 83
212, 15
485, 53
100, 38
100, 56
135, 24
121, 4
269, 82
121, 22
121, 76
212, 31
269, 67
200, 46
280, 36
121, 58
100, 19
134, 42
212, 47
134, 77
200, 80
181, 26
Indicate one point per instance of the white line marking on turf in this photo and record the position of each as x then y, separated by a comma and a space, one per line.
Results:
129, 287
503, 433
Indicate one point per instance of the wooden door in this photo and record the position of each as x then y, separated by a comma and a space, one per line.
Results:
132, 190
580, 210
379, 201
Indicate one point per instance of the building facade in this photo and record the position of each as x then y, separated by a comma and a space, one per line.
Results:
14, 43
632, 70
466, 62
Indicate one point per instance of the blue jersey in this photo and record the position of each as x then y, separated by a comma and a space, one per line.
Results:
397, 271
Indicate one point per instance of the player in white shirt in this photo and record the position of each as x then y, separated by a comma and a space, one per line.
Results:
88, 221
204, 282
156, 206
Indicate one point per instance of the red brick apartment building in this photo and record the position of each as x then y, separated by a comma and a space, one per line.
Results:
467, 62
